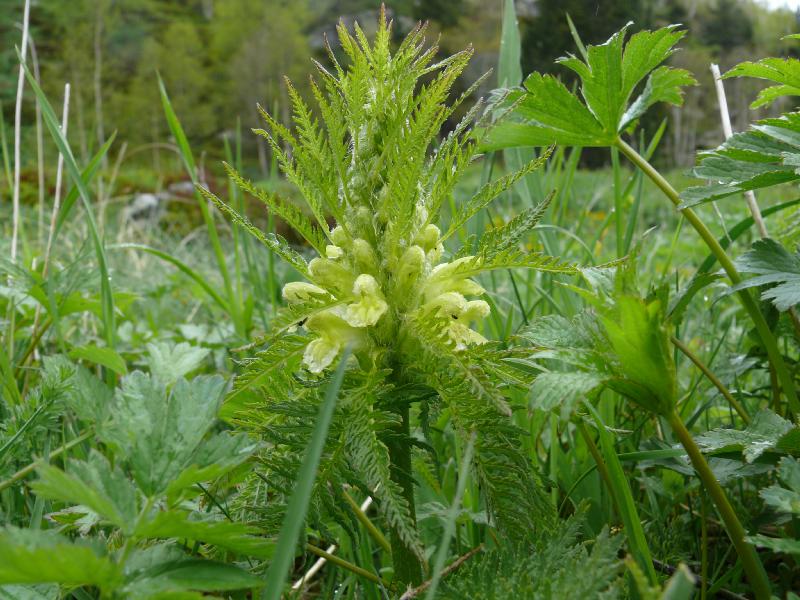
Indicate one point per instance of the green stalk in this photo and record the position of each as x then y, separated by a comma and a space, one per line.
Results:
622, 497
25, 471
340, 562
756, 574
767, 339
712, 378
365, 521
407, 567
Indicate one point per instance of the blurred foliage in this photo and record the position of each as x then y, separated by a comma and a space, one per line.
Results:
219, 58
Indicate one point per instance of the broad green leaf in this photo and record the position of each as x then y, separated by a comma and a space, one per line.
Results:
169, 362
765, 432
215, 457
785, 499
784, 72
159, 432
29, 592
89, 397
236, 537
775, 266
92, 483
34, 556
681, 586
784, 545
638, 337
563, 390
105, 357
766, 155
546, 112
191, 574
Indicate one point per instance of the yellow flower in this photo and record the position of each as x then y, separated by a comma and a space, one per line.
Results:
333, 334
370, 306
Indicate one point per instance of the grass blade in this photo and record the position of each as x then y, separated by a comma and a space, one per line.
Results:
301, 496
452, 515
208, 218
54, 127
182, 267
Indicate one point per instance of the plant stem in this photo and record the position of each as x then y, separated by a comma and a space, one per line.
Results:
365, 521
407, 567
712, 378
598, 459
749, 304
756, 574
25, 471
340, 562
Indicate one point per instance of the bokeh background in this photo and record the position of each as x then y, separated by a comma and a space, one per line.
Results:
219, 58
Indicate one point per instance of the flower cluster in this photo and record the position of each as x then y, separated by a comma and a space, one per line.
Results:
372, 296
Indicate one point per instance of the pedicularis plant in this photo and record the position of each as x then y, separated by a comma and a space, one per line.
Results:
384, 285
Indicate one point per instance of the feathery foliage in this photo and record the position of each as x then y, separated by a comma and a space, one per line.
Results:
381, 284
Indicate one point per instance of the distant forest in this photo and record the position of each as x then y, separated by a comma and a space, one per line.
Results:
219, 58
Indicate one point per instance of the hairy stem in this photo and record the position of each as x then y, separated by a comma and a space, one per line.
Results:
765, 334
407, 567
753, 568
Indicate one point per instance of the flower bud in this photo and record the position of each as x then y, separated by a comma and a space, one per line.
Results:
296, 292
411, 264
364, 258
332, 276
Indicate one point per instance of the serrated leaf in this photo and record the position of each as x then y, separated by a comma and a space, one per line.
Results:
92, 483
215, 457
785, 545
774, 265
564, 390
765, 156
33, 556
88, 397
236, 537
547, 112
169, 362
784, 72
764, 433
159, 432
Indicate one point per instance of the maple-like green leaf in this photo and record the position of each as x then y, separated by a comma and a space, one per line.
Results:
169, 362
34, 556
785, 499
766, 155
95, 484
783, 72
775, 266
767, 431
545, 112
161, 434
785, 545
